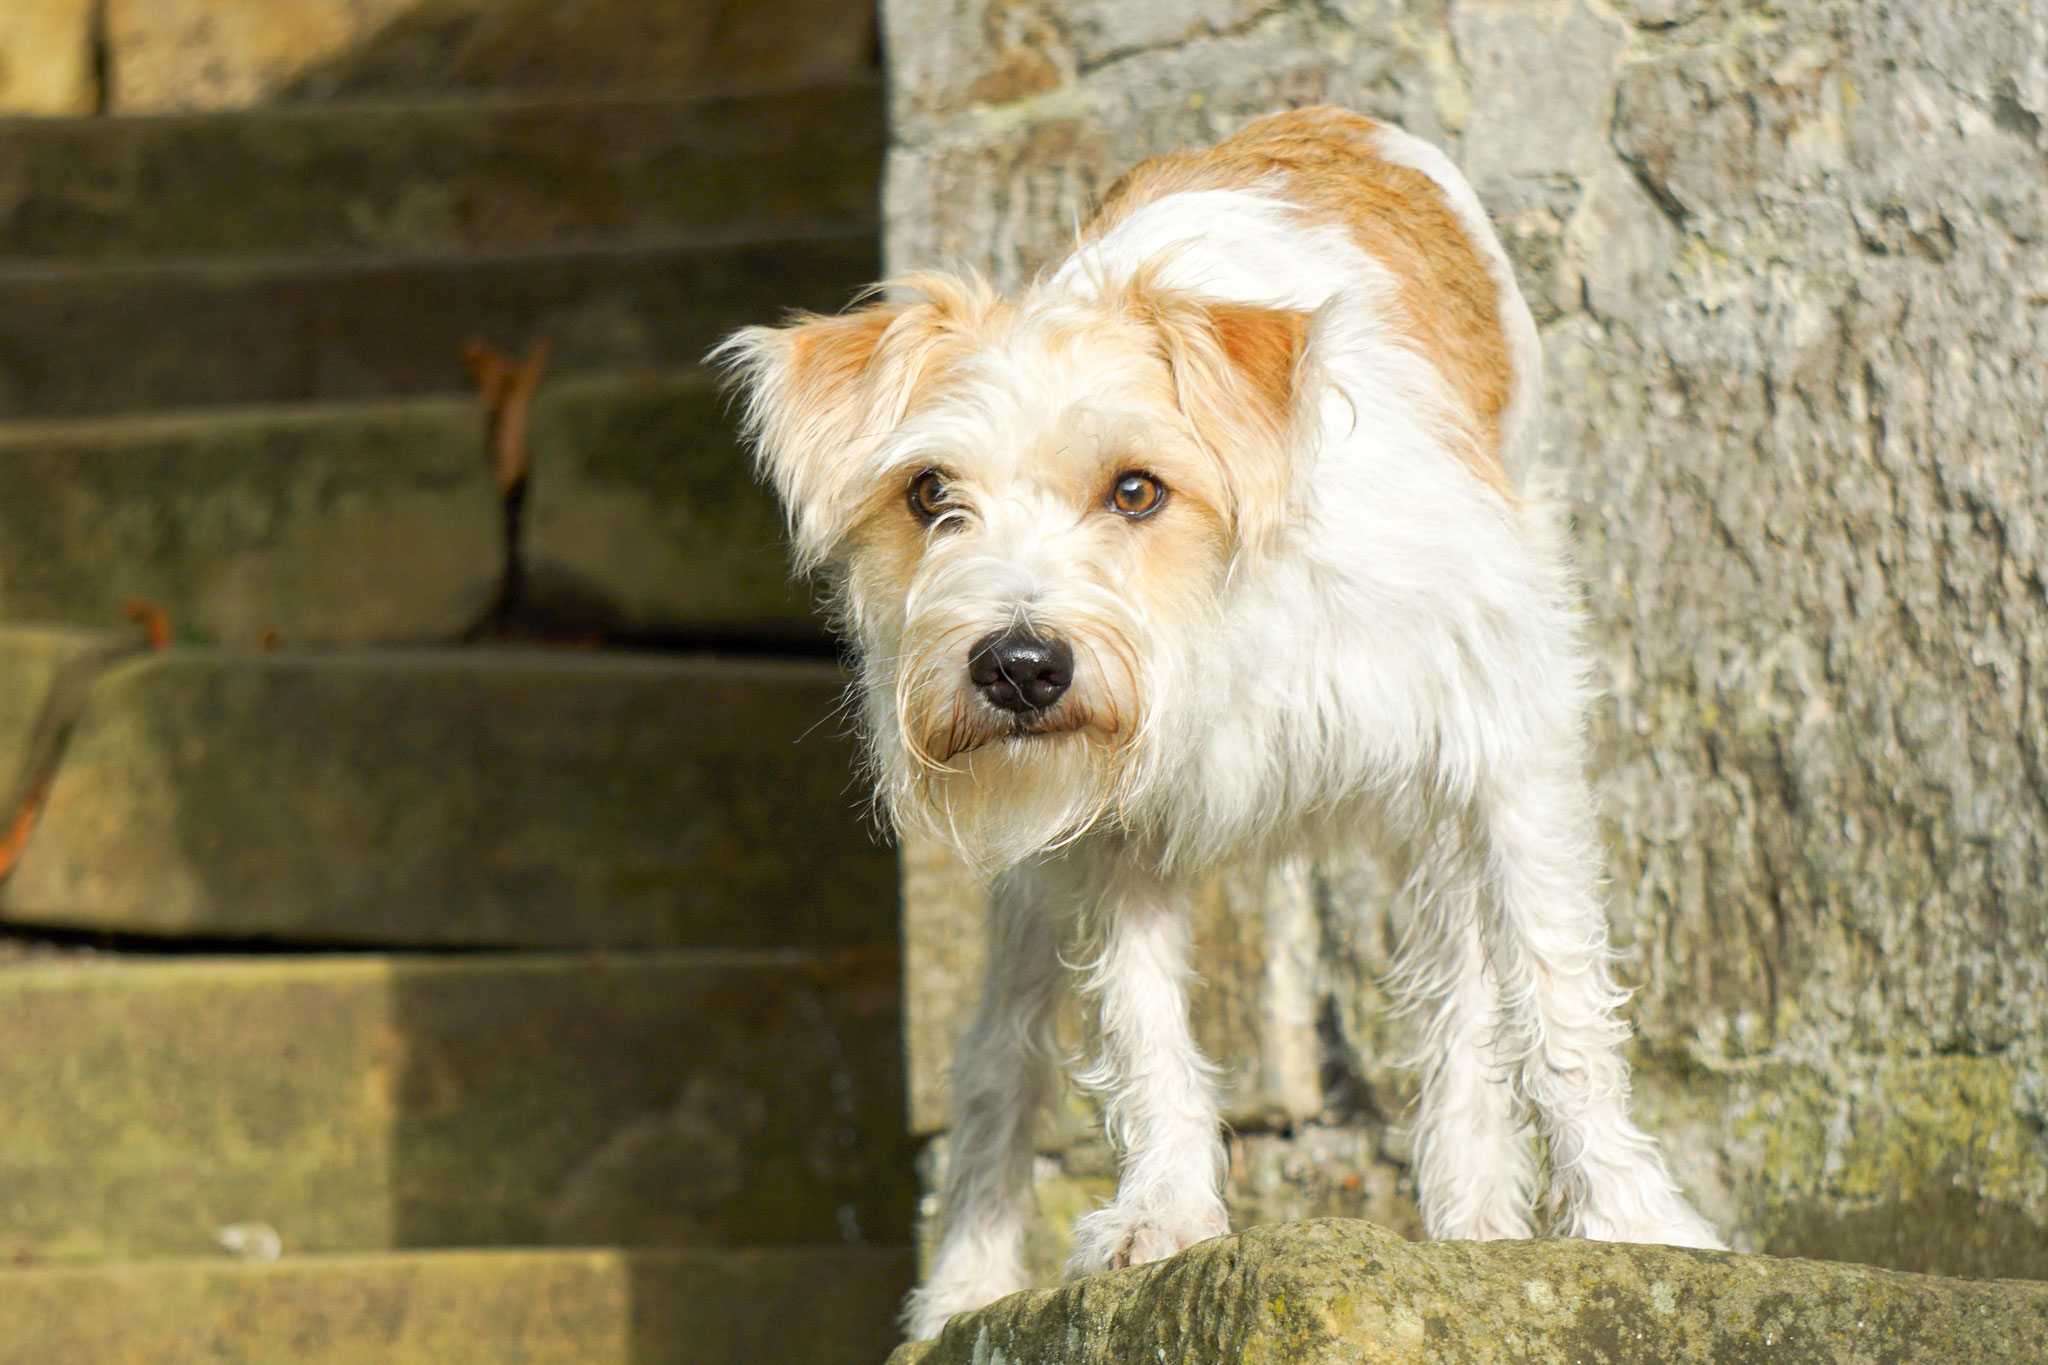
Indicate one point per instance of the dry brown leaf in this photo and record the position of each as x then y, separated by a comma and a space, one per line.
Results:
23, 824
506, 388
153, 618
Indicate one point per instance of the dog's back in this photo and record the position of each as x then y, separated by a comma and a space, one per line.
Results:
1394, 197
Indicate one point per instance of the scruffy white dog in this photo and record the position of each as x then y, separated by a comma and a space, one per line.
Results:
1206, 548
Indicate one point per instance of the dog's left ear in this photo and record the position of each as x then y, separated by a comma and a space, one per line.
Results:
1236, 372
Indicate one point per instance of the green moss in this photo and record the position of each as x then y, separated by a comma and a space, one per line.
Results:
1918, 1163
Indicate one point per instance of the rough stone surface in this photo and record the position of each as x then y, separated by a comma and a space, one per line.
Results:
79, 339
822, 1307
168, 55
377, 522
211, 54
1347, 1291
475, 796
1791, 263
333, 523
45, 675
371, 1103
643, 515
46, 57
442, 176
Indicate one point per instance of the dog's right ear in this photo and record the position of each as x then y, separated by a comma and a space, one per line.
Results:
812, 407
822, 393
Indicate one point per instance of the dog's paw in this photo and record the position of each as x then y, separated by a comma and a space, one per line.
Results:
929, 1305
1673, 1225
968, 1274
924, 1314
1114, 1237
1682, 1232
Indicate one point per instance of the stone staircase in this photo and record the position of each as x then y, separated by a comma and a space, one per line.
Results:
389, 975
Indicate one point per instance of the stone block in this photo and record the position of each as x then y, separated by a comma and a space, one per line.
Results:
87, 339
1539, 78
1015, 178
328, 523
1296, 1293
643, 515
45, 675
600, 1307
471, 796
377, 522
996, 54
46, 57
168, 55
353, 1103
501, 175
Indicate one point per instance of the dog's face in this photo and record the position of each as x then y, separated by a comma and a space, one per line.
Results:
1029, 511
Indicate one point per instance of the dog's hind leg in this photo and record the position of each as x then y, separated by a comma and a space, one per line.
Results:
1158, 1091
1547, 940
1001, 1077
1472, 1168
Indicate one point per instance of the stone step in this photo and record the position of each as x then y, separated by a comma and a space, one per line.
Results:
643, 516
346, 523
363, 1103
437, 177
831, 1306
481, 796
1333, 1290
46, 672
377, 521
95, 338
185, 54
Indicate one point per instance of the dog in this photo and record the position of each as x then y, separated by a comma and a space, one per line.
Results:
1211, 546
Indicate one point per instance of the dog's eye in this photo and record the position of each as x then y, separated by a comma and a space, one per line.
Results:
1136, 494
930, 499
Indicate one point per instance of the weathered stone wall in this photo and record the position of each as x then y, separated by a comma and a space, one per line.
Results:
1791, 264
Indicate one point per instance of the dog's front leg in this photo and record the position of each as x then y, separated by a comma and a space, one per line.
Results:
1001, 1076
1548, 942
1472, 1171
1158, 1091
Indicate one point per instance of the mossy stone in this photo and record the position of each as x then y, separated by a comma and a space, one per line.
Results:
363, 1103
441, 176
481, 797
1332, 1290
821, 1306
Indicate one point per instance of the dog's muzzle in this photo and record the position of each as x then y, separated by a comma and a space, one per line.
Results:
1020, 672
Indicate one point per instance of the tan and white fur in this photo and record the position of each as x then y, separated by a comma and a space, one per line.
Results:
1209, 547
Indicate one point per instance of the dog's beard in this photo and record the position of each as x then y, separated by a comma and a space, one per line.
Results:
996, 786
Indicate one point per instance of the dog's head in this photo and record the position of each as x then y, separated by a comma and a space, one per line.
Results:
1028, 511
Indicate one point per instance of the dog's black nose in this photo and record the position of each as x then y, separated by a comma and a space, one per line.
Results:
1019, 671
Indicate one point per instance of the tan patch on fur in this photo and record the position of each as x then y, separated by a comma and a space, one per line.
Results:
1323, 161
1233, 373
1234, 367
827, 354
822, 390
1264, 346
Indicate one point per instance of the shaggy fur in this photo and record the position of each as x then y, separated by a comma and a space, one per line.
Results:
1340, 622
